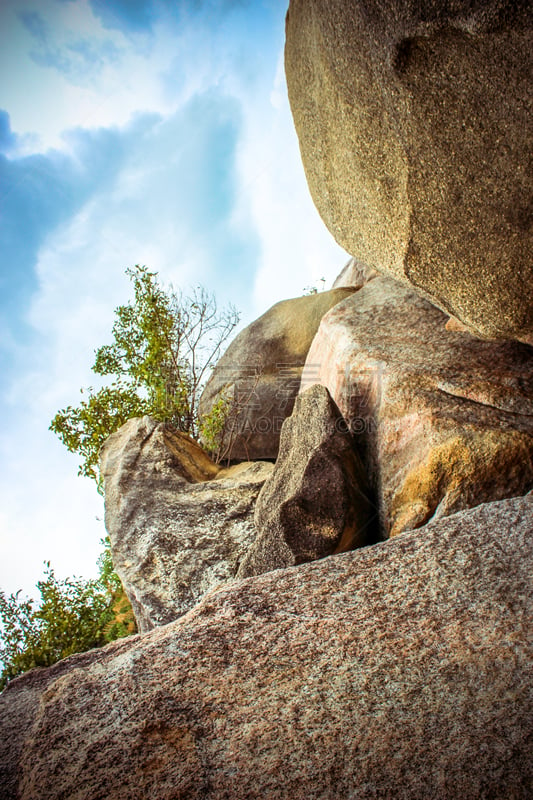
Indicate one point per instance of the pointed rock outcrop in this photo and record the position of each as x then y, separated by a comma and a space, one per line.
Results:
317, 499
354, 274
179, 525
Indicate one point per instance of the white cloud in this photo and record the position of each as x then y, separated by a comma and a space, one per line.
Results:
48, 514
297, 249
243, 225
85, 76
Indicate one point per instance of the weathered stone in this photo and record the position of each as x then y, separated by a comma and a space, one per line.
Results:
354, 274
316, 501
179, 525
444, 420
261, 371
414, 127
401, 670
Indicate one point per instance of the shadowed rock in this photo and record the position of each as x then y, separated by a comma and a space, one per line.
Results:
316, 501
414, 126
398, 671
444, 420
179, 525
261, 370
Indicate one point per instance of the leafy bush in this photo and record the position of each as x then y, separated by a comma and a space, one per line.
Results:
213, 427
74, 615
163, 346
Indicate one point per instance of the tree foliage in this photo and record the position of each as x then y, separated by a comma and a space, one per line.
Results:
163, 347
84, 429
73, 615
164, 344
213, 427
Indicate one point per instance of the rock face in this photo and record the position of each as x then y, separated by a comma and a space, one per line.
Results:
413, 122
261, 370
354, 274
444, 420
316, 501
179, 526
398, 671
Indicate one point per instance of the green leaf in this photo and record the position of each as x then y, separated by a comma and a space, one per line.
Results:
73, 615
164, 345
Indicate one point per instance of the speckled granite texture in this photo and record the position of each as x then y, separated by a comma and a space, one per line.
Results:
401, 672
413, 118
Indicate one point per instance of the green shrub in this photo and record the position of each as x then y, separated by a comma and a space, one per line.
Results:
164, 345
73, 615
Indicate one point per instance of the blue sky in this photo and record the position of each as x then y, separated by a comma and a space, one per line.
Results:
131, 131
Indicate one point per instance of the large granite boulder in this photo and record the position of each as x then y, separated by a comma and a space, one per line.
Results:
443, 420
179, 525
401, 670
413, 118
260, 373
316, 501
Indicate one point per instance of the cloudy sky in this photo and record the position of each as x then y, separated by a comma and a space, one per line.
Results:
131, 131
